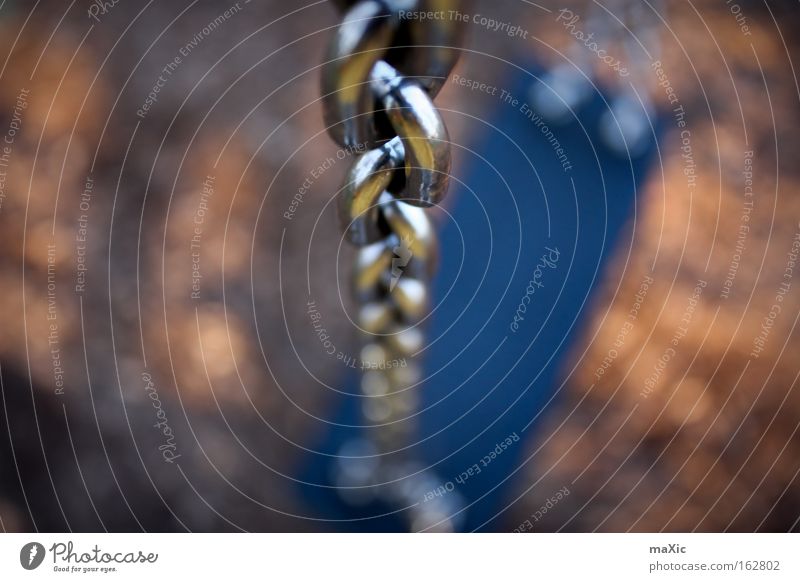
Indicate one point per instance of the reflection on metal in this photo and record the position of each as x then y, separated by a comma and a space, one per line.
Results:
380, 76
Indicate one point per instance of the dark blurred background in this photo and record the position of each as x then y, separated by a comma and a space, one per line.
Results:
651, 384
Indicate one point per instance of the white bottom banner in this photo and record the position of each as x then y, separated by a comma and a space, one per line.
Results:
400, 557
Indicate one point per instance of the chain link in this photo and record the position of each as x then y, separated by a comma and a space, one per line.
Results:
382, 71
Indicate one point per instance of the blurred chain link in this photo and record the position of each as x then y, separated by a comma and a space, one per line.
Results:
384, 66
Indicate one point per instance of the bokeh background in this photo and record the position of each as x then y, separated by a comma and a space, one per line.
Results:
652, 383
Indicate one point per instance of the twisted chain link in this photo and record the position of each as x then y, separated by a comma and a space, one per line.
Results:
383, 68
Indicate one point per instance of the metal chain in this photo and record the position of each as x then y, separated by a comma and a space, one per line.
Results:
384, 66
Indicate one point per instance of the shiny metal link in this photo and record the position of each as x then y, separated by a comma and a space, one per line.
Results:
420, 127
373, 31
422, 148
434, 45
367, 179
426, 50
365, 34
378, 83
